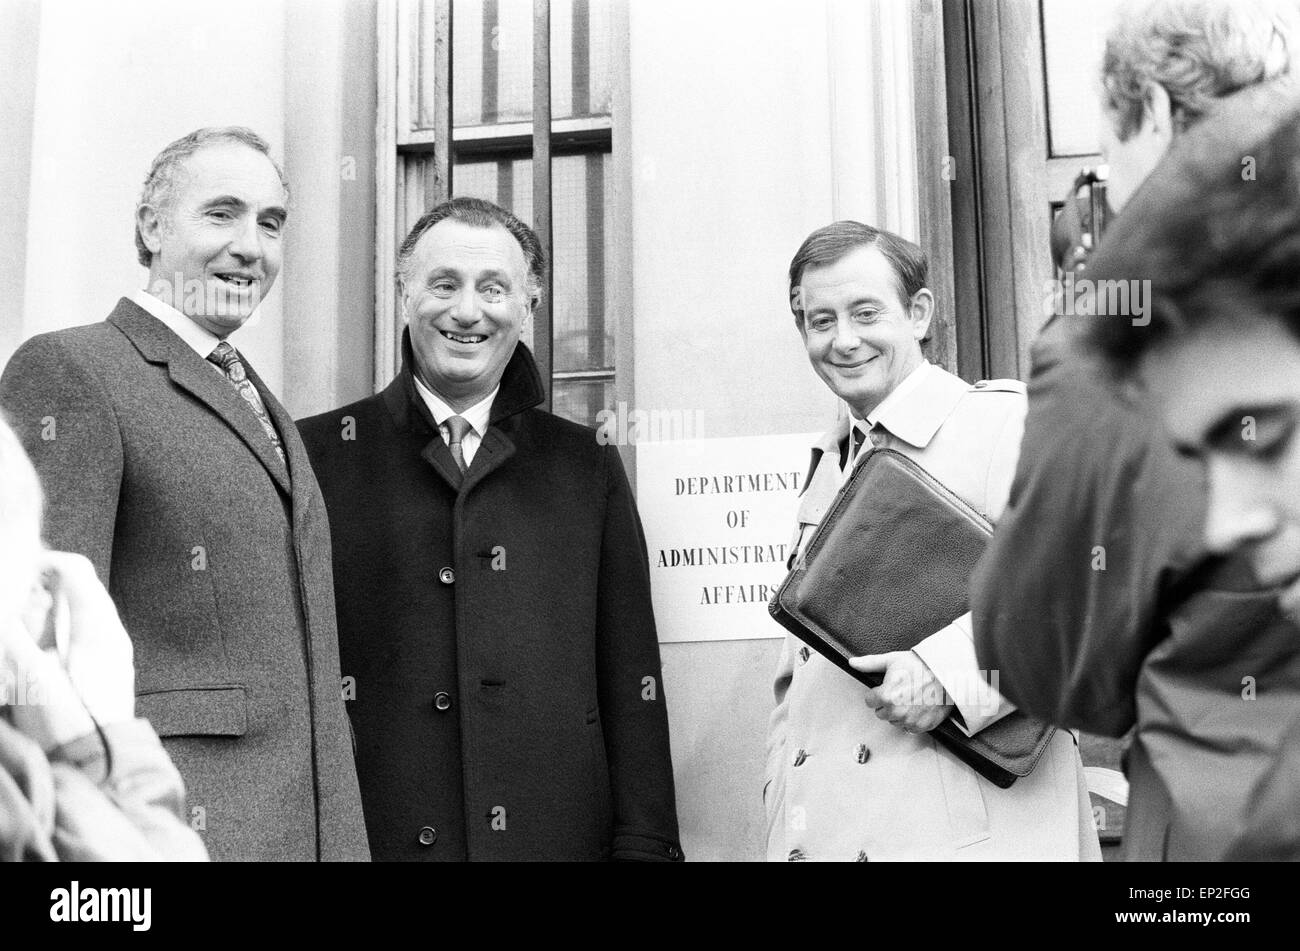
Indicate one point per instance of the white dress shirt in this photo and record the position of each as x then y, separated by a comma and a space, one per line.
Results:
477, 416
198, 339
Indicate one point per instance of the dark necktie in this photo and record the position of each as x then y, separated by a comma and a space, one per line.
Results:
227, 357
858, 437
457, 428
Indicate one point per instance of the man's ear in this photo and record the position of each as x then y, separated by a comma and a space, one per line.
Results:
530, 316
402, 299
150, 224
1158, 112
920, 311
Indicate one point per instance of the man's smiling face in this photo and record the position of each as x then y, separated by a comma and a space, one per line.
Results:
862, 338
1229, 394
466, 297
216, 244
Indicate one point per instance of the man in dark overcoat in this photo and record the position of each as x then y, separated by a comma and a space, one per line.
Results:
497, 637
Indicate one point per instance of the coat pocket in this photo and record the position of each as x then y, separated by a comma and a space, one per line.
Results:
968, 817
196, 711
602, 789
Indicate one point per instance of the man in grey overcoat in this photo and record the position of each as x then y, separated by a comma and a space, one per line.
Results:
170, 465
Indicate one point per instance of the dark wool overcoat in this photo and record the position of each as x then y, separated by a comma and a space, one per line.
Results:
496, 633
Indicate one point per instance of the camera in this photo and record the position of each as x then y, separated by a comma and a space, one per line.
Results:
1078, 227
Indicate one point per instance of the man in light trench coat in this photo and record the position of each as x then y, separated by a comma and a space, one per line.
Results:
852, 772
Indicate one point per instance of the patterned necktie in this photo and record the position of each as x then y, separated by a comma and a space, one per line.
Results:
457, 428
226, 357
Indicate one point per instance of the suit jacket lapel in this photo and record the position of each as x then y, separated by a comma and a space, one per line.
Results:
823, 481
491, 454
494, 449
204, 382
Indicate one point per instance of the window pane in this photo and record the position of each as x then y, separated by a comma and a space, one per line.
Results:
581, 400
584, 328
492, 60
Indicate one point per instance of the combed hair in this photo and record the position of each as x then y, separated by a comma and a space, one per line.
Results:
480, 214
829, 244
1198, 50
164, 174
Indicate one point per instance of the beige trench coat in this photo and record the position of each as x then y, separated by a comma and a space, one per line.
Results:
842, 784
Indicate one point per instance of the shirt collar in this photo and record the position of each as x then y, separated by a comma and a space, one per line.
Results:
477, 415
918, 406
199, 340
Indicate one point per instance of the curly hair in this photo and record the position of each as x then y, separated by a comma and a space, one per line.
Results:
1198, 50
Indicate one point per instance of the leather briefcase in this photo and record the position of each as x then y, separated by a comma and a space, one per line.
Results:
887, 567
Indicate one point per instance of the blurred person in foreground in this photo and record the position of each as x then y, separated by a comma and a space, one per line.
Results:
1099, 600
81, 779
1216, 360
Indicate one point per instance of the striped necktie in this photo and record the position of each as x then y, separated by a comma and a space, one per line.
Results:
227, 358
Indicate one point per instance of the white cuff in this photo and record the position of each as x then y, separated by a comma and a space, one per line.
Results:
950, 655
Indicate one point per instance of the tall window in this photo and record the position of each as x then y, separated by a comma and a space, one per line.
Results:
491, 115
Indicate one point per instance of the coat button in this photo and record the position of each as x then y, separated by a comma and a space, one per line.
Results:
863, 753
800, 757
428, 835
804, 654
447, 576
442, 701
674, 852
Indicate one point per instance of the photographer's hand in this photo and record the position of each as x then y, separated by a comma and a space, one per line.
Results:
100, 657
54, 705
41, 699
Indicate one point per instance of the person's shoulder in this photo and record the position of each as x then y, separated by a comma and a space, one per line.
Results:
67, 344
62, 363
992, 403
1000, 386
983, 394
1005, 390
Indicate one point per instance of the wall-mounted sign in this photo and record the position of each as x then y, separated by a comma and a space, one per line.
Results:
719, 518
